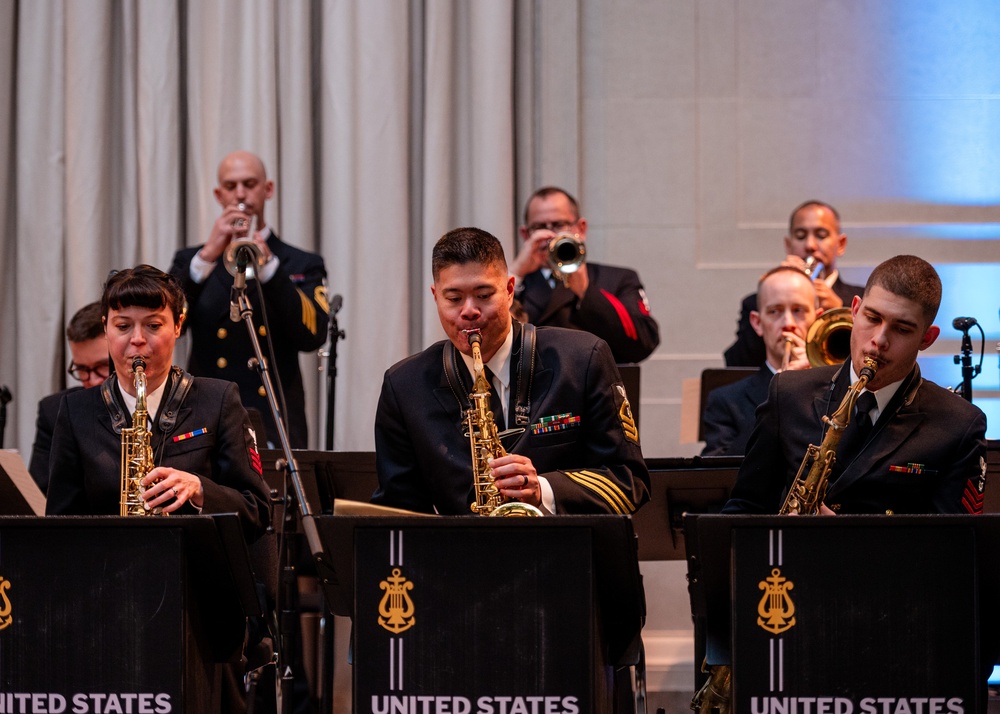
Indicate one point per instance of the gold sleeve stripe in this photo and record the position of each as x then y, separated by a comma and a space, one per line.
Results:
308, 312
605, 488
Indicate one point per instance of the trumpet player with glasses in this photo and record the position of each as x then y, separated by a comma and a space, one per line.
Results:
503, 412
813, 244
787, 301
558, 287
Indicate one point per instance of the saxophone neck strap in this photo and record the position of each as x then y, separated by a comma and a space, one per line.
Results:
180, 385
522, 365
109, 393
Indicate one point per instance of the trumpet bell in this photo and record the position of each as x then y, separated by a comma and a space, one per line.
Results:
566, 254
829, 338
231, 257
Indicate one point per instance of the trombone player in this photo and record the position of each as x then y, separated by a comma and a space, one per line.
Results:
813, 244
787, 301
604, 300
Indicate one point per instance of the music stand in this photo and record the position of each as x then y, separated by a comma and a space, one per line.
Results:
19, 494
679, 486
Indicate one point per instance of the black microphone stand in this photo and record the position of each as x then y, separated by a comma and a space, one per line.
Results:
968, 370
5, 397
335, 335
288, 630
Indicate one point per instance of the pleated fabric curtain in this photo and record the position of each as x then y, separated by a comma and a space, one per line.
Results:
383, 123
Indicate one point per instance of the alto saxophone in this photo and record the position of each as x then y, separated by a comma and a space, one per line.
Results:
805, 496
137, 453
484, 440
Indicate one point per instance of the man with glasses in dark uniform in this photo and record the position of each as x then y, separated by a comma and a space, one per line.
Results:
603, 300
90, 365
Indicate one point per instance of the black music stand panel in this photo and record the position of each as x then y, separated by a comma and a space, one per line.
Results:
482, 611
854, 610
120, 614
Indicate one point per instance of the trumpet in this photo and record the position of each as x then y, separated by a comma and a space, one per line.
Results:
566, 254
813, 267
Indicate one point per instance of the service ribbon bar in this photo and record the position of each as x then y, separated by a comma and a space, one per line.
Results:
191, 434
557, 422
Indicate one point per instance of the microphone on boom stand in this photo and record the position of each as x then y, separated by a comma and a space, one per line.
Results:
965, 358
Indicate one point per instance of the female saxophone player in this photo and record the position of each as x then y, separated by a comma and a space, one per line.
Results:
204, 453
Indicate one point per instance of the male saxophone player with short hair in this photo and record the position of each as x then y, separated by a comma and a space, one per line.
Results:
916, 448
574, 447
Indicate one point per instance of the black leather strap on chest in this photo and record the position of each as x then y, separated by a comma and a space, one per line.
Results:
522, 367
179, 386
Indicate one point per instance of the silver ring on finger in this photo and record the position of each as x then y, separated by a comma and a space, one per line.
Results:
525, 477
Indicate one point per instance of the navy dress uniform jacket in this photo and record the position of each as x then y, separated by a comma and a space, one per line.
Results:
925, 454
85, 463
296, 313
45, 424
729, 414
594, 465
614, 308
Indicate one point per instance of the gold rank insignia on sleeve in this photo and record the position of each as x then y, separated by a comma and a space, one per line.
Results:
319, 295
308, 312
625, 414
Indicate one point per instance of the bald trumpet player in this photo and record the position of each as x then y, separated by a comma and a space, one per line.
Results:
813, 244
787, 300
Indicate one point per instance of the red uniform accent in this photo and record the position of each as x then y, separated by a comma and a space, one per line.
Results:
972, 499
623, 315
255, 461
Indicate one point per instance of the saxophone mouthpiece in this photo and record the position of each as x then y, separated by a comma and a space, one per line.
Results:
473, 336
138, 363
868, 369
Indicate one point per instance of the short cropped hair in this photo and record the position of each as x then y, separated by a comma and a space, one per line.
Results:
912, 278
545, 192
466, 245
143, 286
775, 271
85, 325
807, 204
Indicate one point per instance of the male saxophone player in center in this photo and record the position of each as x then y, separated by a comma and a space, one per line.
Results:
572, 445
912, 446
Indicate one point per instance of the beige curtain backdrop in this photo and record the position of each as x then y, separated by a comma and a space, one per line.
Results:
383, 123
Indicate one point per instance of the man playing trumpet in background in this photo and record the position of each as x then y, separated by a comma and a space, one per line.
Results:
292, 281
787, 301
813, 244
604, 300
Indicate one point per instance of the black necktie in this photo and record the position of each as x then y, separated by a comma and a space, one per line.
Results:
495, 404
857, 432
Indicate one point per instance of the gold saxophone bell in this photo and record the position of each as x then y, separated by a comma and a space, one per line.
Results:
829, 338
566, 254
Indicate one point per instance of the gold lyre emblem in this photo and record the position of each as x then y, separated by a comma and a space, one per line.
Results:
396, 607
776, 609
5, 607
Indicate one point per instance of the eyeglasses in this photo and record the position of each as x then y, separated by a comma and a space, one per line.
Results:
554, 226
80, 372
